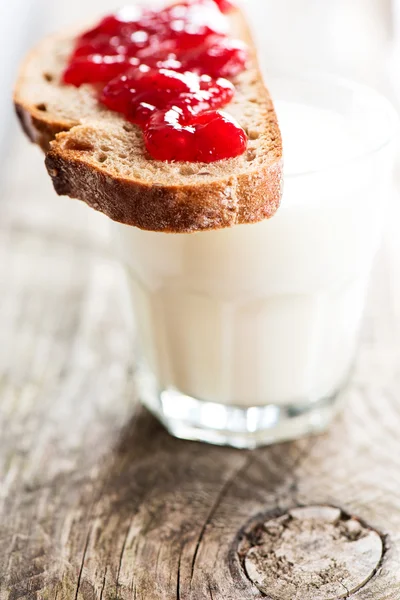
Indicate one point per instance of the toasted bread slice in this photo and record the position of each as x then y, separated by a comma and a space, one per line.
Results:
95, 155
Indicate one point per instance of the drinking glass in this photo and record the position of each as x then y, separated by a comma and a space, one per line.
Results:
247, 335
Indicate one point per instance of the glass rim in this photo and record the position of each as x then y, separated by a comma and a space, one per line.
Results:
340, 82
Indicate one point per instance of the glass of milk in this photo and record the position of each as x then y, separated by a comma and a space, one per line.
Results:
247, 336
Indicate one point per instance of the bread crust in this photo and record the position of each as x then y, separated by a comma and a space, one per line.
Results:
174, 209
246, 197
38, 129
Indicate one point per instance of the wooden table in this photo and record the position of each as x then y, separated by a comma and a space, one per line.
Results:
97, 501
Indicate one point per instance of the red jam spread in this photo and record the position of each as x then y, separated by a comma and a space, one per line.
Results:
168, 71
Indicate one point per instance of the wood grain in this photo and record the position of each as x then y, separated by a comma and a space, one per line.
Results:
97, 501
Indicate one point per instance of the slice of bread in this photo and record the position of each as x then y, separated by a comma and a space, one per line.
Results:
97, 156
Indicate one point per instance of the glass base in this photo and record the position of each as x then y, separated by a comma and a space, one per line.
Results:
225, 425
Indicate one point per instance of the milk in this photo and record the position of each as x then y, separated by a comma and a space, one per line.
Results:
267, 313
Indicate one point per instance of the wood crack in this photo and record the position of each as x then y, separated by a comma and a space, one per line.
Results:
178, 579
210, 590
347, 590
83, 561
121, 556
214, 508
103, 584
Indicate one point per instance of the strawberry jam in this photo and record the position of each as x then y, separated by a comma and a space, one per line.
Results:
173, 135
169, 72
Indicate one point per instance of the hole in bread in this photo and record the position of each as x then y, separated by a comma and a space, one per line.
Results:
253, 134
79, 145
105, 148
123, 156
42, 107
187, 170
253, 100
102, 157
251, 155
48, 77
127, 127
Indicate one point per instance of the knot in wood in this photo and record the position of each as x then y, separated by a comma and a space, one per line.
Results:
312, 553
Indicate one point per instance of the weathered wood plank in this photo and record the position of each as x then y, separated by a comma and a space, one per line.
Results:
97, 501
